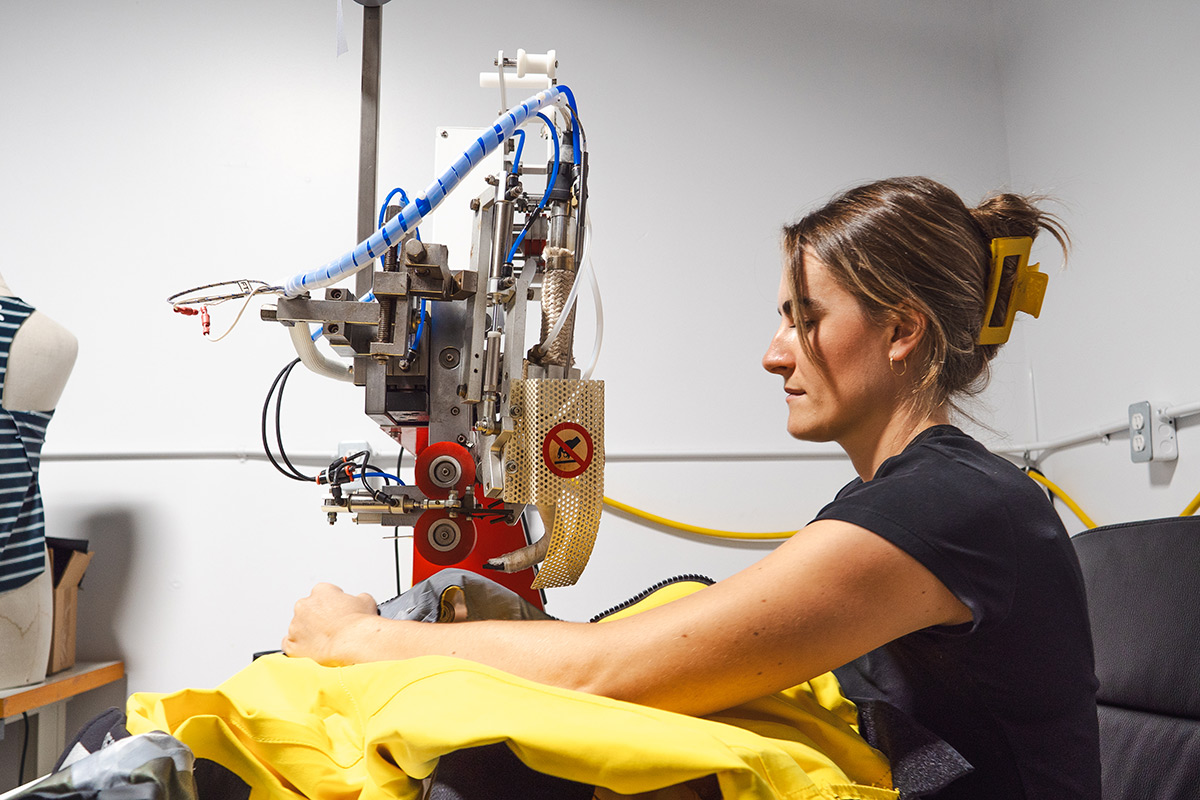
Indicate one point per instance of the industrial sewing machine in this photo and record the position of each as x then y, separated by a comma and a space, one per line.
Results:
441, 353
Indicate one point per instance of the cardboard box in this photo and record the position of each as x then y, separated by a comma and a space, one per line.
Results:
68, 566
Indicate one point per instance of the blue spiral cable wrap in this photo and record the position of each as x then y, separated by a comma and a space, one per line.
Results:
407, 220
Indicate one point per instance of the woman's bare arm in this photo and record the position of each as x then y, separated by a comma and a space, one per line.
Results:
831, 593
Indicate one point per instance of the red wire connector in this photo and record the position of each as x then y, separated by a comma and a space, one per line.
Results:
187, 311
205, 321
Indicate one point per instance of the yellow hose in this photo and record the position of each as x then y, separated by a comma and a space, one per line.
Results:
1192, 506
1058, 492
720, 534
683, 526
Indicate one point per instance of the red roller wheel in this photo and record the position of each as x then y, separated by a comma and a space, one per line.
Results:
444, 466
443, 540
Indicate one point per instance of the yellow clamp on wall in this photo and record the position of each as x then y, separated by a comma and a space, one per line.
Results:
1028, 287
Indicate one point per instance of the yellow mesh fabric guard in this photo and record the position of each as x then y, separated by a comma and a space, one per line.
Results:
291, 728
558, 449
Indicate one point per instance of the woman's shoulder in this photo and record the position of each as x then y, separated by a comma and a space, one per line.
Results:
943, 454
947, 494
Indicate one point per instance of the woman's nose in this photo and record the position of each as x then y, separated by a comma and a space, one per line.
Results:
777, 359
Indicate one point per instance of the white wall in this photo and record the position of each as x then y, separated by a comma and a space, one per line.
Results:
1100, 110
152, 147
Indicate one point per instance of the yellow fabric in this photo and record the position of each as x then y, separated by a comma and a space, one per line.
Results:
292, 728
660, 596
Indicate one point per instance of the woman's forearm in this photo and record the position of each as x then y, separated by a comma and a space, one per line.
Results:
563, 654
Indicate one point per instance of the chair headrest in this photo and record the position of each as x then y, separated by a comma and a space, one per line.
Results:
1143, 587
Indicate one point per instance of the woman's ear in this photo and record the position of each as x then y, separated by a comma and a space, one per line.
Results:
908, 331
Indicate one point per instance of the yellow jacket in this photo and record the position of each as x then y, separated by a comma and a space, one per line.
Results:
292, 728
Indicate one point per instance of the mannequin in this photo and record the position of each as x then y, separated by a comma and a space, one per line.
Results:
40, 359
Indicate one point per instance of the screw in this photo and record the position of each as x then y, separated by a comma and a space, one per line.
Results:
474, 203
414, 250
515, 411
335, 294
491, 180
445, 133
462, 438
334, 327
449, 357
511, 468
332, 516
455, 411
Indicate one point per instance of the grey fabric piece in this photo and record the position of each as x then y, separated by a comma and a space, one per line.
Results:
102, 731
152, 766
485, 599
922, 764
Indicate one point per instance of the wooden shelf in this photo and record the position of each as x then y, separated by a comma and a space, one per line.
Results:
78, 679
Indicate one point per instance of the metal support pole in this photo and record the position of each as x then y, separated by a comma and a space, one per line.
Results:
369, 133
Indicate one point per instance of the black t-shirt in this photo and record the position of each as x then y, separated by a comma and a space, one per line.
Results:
1014, 691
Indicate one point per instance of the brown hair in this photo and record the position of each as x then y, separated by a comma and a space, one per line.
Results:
907, 245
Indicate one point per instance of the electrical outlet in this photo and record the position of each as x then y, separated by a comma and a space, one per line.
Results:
1140, 442
1151, 433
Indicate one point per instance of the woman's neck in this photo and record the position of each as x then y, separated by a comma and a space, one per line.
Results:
872, 447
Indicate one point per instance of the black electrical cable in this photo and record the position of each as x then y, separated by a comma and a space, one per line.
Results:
280, 381
266, 408
287, 373
24, 749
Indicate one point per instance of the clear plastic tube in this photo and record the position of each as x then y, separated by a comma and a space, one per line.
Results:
387, 236
586, 372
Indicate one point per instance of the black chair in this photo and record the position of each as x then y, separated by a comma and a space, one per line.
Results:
1143, 586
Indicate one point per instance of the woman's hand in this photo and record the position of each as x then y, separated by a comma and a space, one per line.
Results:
321, 622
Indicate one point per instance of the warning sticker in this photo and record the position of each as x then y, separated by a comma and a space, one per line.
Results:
567, 450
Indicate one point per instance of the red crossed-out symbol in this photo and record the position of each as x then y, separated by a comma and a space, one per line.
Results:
567, 450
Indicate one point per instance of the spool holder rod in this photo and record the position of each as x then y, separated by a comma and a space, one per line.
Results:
368, 149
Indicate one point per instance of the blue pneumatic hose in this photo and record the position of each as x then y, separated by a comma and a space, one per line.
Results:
520, 146
411, 215
550, 179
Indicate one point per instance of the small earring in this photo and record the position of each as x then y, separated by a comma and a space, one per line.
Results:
892, 367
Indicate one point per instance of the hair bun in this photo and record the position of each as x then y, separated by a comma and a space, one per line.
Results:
1010, 214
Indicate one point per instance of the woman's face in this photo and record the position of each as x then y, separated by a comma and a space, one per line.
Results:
854, 388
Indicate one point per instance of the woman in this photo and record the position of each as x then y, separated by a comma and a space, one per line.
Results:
941, 580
